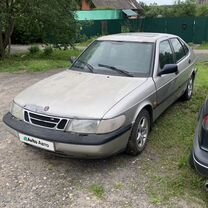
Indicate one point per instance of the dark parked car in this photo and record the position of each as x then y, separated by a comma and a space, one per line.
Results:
199, 156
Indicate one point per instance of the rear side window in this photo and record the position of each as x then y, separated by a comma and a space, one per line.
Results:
185, 47
166, 54
178, 49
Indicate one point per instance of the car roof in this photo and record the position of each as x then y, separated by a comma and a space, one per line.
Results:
136, 37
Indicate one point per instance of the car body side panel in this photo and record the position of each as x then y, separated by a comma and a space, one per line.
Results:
133, 103
185, 67
171, 86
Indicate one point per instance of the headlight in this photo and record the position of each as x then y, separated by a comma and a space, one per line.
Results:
83, 126
16, 111
96, 126
110, 125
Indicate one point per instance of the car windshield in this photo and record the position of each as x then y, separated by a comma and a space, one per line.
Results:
117, 58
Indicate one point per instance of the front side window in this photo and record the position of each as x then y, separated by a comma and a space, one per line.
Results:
166, 54
104, 56
178, 49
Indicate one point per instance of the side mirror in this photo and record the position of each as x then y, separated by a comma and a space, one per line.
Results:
73, 59
169, 69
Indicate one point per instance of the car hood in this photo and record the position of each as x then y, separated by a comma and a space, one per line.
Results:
76, 94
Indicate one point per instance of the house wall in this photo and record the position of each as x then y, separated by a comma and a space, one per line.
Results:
85, 5
99, 15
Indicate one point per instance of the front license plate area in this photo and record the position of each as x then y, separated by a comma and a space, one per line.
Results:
37, 142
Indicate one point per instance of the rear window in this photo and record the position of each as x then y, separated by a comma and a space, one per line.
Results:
186, 49
178, 49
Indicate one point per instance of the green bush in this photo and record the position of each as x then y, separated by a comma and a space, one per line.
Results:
48, 50
34, 49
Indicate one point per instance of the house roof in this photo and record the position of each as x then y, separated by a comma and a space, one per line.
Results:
117, 4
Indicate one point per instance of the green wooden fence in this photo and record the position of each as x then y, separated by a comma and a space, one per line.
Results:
191, 29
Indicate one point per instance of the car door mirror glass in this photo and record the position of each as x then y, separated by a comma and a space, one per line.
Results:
169, 69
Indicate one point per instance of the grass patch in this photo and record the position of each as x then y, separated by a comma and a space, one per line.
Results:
86, 43
203, 46
38, 61
171, 141
97, 190
119, 186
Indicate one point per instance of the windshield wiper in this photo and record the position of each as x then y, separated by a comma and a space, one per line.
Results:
117, 70
90, 67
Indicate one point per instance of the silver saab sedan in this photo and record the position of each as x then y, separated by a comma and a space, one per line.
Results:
108, 100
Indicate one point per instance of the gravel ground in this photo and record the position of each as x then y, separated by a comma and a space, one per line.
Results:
30, 177
202, 55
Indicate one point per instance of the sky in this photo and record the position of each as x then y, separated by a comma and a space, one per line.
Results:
159, 2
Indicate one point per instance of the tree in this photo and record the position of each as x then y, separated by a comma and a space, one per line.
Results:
202, 10
53, 19
179, 9
185, 8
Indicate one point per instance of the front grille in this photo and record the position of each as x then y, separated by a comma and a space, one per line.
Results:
45, 121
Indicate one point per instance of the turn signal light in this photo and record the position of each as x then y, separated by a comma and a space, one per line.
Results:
205, 122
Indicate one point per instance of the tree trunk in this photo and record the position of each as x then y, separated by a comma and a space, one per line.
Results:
9, 47
5, 39
2, 49
8, 33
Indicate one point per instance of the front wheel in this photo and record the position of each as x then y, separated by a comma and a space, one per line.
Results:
189, 89
139, 134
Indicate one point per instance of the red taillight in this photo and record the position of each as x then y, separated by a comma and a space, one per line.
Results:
205, 122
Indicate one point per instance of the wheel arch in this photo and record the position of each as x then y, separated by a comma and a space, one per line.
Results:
147, 106
193, 74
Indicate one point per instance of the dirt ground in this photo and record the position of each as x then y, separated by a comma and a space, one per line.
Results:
30, 177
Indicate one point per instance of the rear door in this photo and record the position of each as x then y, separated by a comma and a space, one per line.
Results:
185, 63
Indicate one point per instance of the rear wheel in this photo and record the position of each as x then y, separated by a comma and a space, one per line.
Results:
189, 89
139, 134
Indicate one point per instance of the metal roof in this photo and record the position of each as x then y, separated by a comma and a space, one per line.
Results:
117, 4
129, 12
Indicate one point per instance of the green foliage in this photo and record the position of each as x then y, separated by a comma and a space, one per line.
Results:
202, 10
203, 46
86, 42
179, 9
97, 190
34, 49
171, 142
49, 21
48, 50
38, 61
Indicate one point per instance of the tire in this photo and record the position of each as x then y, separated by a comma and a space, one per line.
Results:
191, 161
189, 89
139, 135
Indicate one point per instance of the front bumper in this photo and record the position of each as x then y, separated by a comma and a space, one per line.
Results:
200, 158
74, 145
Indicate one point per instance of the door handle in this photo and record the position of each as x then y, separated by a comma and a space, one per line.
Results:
189, 61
